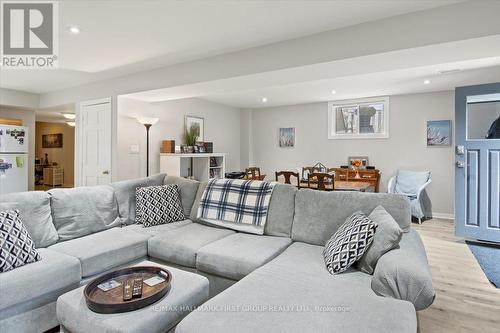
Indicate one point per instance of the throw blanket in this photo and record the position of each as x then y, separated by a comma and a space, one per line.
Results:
236, 204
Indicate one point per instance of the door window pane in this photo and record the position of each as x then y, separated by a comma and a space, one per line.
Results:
483, 120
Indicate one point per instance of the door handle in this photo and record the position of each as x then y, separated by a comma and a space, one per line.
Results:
106, 172
460, 164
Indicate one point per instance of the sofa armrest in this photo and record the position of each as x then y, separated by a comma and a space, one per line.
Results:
404, 273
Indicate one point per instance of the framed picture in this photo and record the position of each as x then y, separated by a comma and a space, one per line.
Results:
52, 140
287, 137
359, 119
438, 133
198, 124
358, 162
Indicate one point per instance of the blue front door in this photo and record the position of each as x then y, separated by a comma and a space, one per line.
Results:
477, 171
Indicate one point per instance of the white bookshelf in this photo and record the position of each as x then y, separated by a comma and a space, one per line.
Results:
198, 166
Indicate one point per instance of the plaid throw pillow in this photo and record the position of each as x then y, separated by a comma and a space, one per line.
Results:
16, 246
349, 243
157, 205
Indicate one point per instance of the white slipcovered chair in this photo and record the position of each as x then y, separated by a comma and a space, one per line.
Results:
413, 184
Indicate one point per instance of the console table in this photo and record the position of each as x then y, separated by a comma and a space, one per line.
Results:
366, 176
199, 166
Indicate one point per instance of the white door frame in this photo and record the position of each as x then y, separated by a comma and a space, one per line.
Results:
79, 139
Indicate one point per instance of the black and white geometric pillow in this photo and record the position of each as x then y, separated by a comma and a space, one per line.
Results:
16, 246
349, 242
158, 205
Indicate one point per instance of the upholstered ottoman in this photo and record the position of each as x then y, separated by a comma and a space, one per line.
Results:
187, 291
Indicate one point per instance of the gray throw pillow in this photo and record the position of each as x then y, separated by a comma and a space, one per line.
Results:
158, 205
387, 238
16, 246
349, 243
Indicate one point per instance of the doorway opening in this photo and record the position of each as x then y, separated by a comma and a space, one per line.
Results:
55, 147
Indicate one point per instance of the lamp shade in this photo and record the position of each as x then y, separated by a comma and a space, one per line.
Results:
147, 120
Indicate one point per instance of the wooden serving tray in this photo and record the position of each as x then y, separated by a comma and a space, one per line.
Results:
111, 301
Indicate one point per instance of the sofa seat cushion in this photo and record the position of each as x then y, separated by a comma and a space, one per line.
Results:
48, 278
104, 250
295, 293
157, 229
179, 246
237, 255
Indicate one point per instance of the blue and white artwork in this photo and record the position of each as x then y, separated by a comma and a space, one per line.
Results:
439, 133
287, 137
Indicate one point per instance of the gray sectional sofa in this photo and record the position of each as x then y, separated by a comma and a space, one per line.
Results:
276, 282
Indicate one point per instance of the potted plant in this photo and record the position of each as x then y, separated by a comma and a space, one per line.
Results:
190, 138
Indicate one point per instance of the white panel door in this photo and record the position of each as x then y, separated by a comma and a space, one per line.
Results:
96, 143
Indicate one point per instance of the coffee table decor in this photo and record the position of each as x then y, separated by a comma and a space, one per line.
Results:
112, 300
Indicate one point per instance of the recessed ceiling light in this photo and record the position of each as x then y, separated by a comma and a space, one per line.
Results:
74, 30
334, 92
427, 82
69, 115
71, 123
264, 99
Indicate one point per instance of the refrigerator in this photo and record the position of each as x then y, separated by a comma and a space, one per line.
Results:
13, 159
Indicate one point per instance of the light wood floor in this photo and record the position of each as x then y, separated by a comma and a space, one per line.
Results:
465, 299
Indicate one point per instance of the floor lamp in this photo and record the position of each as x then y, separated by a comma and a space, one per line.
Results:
147, 122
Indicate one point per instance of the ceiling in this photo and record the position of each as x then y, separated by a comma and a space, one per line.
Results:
54, 114
123, 37
446, 66
397, 82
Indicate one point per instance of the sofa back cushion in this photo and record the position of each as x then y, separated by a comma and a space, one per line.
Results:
187, 190
34, 208
194, 209
82, 211
319, 214
125, 195
280, 213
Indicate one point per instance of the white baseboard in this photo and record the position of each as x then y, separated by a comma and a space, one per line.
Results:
444, 216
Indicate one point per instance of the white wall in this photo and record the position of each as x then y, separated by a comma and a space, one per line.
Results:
19, 99
222, 127
28, 118
405, 149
